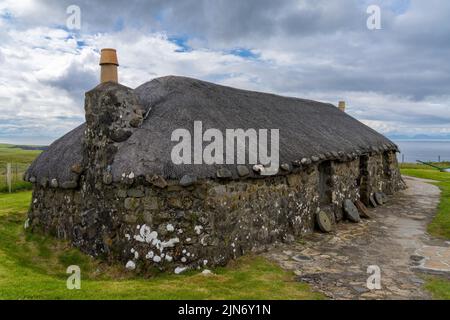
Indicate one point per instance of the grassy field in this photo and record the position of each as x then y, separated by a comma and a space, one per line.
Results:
34, 267
20, 160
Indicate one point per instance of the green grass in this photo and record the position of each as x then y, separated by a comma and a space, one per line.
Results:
20, 160
33, 266
440, 225
439, 287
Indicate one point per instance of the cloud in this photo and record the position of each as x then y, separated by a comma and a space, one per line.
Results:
80, 75
395, 79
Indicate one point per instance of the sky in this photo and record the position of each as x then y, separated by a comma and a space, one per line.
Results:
395, 79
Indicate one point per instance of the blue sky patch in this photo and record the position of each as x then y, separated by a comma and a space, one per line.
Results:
181, 42
243, 53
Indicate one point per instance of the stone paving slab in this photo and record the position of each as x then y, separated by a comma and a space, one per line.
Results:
395, 241
434, 260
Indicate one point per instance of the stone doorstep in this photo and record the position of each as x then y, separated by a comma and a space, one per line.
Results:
436, 260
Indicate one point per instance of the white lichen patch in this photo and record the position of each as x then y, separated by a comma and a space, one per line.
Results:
150, 255
130, 265
146, 235
179, 270
156, 259
170, 228
207, 272
203, 241
198, 229
169, 243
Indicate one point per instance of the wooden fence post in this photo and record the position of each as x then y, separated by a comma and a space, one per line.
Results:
8, 176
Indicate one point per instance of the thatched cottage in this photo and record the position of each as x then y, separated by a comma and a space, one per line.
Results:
111, 187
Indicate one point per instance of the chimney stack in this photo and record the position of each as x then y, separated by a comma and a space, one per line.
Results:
109, 64
342, 106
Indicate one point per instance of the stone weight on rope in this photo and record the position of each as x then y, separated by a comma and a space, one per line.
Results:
324, 222
379, 198
372, 201
351, 211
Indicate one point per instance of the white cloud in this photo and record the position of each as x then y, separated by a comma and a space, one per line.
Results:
388, 81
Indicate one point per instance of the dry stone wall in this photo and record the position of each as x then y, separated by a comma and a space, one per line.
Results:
148, 222
207, 223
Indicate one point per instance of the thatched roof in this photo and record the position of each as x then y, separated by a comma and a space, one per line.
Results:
307, 128
56, 161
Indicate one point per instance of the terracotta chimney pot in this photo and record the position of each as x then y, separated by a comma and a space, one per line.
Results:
109, 64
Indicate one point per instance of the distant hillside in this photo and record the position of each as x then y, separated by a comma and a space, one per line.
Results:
23, 155
24, 147
418, 137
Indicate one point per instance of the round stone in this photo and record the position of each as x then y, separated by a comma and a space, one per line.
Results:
372, 201
188, 180
224, 173
324, 222
351, 211
107, 178
54, 183
379, 198
301, 258
306, 161
157, 181
242, 171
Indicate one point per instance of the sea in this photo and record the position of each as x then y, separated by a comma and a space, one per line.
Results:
423, 150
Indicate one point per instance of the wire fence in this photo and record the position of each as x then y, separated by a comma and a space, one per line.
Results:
11, 177
411, 158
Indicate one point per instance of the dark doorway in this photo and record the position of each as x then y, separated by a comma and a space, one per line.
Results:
363, 180
324, 182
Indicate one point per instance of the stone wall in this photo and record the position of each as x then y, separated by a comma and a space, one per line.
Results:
147, 222
207, 223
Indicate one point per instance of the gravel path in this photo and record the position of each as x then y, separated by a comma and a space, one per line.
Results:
395, 240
